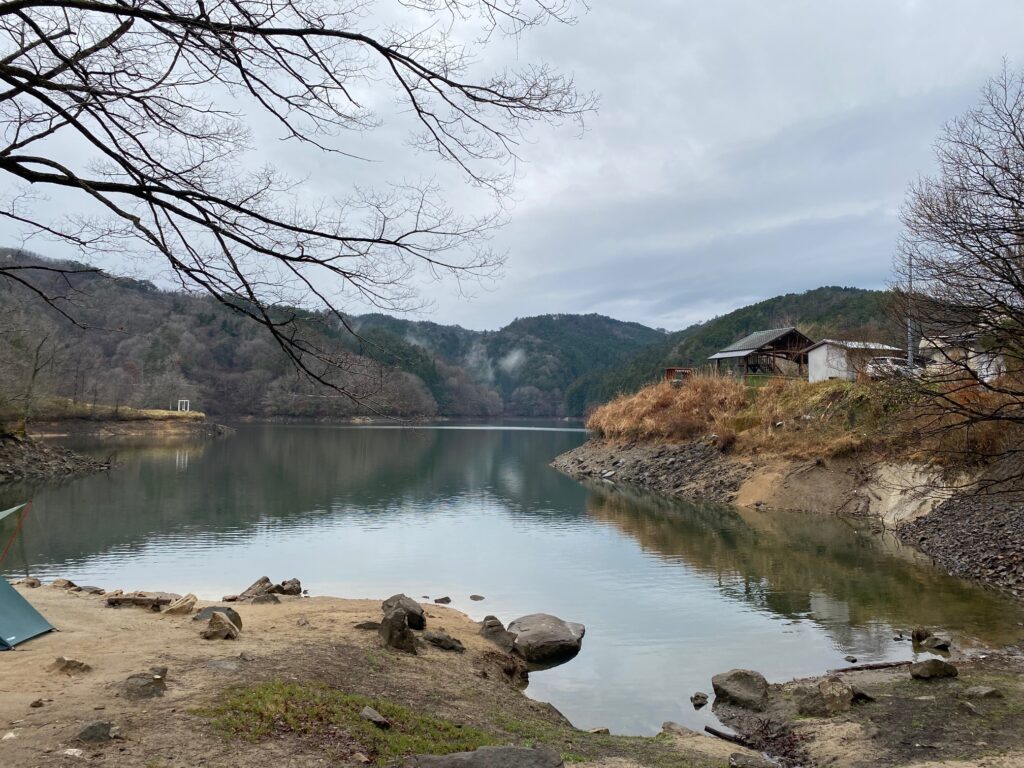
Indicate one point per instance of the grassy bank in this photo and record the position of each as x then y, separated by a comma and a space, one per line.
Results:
783, 416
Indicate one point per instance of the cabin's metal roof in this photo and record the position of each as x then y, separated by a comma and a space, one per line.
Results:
869, 345
751, 343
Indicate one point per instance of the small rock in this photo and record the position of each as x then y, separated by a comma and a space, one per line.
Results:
359, 757
476, 598
982, 692
443, 600
69, 666
246, 656
29, 581
220, 628
146, 685
860, 696
93, 590
261, 586
290, 587
599, 731
182, 607
231, 613
394, 631
444, 641
969, 708
97, 732
492, 629
936, 643
699, 700
825, 699
372, 625
36, 704
9, 736
414, 615
267, 598
375, 717
63, 584
850, 659
742, 687
931, 669
920, 634
302, 621
73, 753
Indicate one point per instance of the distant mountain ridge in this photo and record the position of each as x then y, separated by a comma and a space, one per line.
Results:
149, 347
829, 311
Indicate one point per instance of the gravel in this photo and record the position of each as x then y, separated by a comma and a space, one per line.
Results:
694, 470
977, 537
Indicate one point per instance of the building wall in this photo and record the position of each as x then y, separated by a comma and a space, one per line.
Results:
829, 362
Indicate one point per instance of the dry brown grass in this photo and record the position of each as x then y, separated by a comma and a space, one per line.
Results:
784, 417
664, 412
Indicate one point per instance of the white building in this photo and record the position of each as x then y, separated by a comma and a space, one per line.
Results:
835, 359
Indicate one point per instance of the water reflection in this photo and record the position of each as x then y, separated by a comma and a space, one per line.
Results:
826, 569
671, 593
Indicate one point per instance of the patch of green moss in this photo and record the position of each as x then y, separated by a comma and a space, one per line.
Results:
583, 747
318, 711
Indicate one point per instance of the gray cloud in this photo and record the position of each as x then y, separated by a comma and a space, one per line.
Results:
742, 149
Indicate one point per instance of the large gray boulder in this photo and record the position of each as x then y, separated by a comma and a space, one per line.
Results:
741, 687
415, 617
493, 757
541, 638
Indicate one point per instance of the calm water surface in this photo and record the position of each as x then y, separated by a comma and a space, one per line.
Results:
671, 593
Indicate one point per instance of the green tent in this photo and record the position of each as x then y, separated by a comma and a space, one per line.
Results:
19, 621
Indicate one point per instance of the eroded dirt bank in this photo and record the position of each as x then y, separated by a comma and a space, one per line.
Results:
305, 648
978, 537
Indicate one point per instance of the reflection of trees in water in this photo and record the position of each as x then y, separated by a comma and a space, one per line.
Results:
799, 566
285, 475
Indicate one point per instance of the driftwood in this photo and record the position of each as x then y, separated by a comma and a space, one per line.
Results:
153, 602
739, 740
865, 667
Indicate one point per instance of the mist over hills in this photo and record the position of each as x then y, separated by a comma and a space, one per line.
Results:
145, 347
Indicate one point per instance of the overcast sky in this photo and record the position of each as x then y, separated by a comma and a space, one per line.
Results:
742, 149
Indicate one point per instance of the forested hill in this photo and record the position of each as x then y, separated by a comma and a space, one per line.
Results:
828, 312
147, 348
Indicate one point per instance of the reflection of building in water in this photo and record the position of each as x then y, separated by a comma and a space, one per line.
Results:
181, 459
802, 567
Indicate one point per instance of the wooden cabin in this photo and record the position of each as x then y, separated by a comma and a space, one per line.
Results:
775, 352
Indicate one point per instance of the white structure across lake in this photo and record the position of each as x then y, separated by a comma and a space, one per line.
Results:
835, 359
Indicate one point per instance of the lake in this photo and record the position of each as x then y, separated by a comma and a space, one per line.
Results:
670, 592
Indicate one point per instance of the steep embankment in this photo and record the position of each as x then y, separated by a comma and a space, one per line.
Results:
831, 448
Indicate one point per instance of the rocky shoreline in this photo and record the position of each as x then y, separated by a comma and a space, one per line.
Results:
694, 470
144, 679
27, 459
278, 678
975, 537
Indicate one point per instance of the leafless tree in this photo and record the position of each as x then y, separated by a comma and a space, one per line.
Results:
961, 284
137, 110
